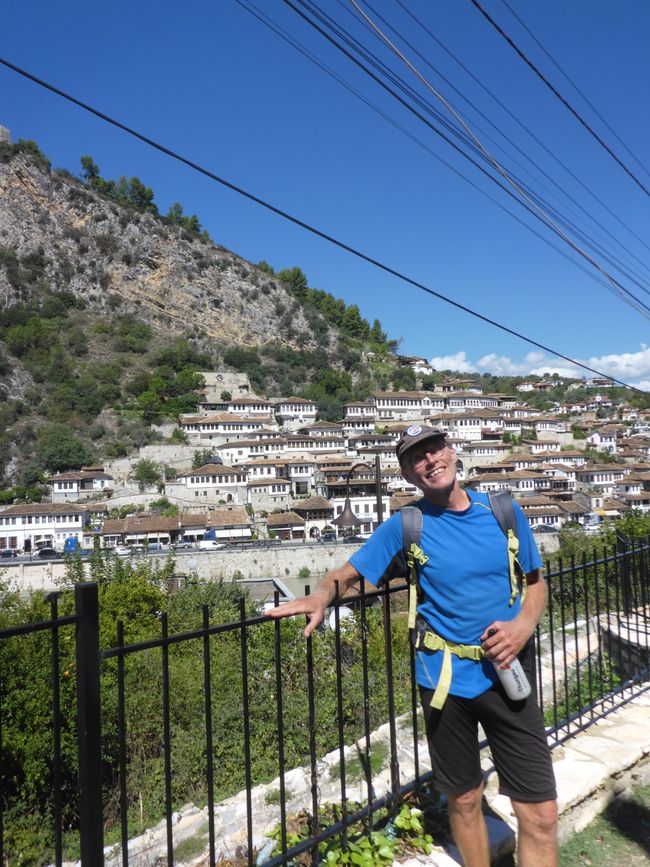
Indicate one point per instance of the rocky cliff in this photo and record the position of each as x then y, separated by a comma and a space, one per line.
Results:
107, 255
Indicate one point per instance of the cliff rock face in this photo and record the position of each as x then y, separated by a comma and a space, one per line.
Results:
113, 256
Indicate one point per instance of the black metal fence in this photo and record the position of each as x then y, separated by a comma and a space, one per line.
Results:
284, 702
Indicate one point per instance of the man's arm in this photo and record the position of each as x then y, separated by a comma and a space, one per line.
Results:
509, 636
315, 604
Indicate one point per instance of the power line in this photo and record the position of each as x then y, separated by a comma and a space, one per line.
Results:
500, 131
562, 99
566, 223
279, 31
614, 285
535, 138
574, 85
304, 225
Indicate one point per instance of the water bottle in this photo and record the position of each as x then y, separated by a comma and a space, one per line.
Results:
513, 679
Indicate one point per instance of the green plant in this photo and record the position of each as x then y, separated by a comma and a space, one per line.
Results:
394, 834
191, 846
274, 795
355, 769
304, 572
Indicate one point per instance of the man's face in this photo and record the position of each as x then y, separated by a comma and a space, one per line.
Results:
431, 466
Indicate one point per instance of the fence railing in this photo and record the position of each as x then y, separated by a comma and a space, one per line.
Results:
226, 710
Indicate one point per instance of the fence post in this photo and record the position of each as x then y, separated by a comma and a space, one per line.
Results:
89, 729
622, 547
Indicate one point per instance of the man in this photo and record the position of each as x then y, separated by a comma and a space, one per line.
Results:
466, 598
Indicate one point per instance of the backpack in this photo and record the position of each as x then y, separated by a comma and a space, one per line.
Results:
504, 513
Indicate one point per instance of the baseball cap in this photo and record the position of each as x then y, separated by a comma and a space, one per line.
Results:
415, 434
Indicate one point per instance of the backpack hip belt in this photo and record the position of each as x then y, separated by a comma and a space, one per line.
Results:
427, 638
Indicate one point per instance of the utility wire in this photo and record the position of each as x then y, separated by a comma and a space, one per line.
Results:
257, 13
574, 85
304, 225
510, 141
614, 285
562, 99
514, 117
381, 67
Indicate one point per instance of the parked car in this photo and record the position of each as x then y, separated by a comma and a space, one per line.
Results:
210, 545
181, 545
47, 553
123, 550
8, 552
328, 536
357, 539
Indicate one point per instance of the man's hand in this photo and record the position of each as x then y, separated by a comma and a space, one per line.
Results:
315, 604
504, 639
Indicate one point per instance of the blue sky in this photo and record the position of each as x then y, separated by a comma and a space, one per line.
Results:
212, 82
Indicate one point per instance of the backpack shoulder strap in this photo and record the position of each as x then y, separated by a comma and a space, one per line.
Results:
411, 527
503, 511
413, 554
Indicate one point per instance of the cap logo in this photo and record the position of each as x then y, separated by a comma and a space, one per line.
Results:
413, 430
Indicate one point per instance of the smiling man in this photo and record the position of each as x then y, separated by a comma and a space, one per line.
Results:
470, 618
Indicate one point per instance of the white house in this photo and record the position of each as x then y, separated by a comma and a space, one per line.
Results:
221, 426
78, 484
211, 483
29, 526
599, 477
269, 494
604, 438
295, 412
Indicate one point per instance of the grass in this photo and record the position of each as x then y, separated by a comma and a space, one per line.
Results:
273, 796
355, 767
190, 847
619, 837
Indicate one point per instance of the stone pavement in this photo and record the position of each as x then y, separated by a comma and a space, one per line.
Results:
592, 768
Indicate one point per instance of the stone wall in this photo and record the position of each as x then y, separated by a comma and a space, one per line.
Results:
277, 561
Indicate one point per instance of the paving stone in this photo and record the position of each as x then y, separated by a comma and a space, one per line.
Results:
615, 754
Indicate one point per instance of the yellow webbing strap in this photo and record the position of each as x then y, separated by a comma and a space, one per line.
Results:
414, 553
515, 569
432, 641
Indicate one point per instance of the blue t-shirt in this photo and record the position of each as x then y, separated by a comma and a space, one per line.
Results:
465, 583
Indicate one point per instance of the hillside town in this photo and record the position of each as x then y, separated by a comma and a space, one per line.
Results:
244, 468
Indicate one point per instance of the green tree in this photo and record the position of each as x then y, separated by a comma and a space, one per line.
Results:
58, 449
354, 324
146, 473
295, 280
89, 170
404, 379
201, 457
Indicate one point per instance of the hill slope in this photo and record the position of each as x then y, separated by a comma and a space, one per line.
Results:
108, 310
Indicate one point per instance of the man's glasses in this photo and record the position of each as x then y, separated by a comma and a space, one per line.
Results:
419, 455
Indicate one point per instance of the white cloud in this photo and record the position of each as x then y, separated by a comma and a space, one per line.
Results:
501, 365
453, 362
630, 367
